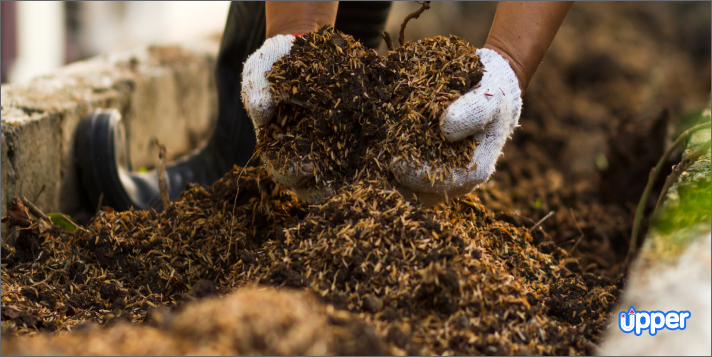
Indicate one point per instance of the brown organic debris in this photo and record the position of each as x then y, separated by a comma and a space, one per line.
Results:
162, 185
421, 280
34, 210
287, 323
387, 38
18, 214
351, 112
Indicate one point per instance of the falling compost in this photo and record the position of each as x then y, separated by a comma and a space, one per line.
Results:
351, 113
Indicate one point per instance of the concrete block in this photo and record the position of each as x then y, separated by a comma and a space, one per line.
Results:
29, 163
685, 285
673, 270
166, 92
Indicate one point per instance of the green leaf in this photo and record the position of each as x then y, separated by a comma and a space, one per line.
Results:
536, 204
63, 221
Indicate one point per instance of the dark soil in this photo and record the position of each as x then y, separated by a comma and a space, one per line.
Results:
349, 112
460, 279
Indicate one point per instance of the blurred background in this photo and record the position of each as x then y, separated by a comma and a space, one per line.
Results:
40, 36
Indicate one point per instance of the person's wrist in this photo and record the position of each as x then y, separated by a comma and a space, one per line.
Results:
517, 68
295, 28
290, 17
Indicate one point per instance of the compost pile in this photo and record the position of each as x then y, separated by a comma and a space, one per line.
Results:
296, 324
349, 112
128, 283
460, 280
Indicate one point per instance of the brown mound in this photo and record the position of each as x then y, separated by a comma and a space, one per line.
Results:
349, 111
286, 323
460, 281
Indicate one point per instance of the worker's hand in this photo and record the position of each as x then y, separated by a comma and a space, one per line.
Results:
260, 104
256, 96
297, 177
487, 114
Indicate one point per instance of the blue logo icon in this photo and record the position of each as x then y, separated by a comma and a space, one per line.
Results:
653, 321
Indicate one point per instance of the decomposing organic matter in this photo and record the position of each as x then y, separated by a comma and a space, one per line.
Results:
350, 112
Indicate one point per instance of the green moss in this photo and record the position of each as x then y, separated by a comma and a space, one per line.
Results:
688, 206
686, 211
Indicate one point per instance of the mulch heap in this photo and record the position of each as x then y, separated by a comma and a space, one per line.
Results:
349, 112
397, 277
534, 179
295, 325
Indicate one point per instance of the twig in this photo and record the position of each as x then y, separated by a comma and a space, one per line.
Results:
649, 186
34, 210
414, 15
37, 197
234, 204
101, 199
162, 185
238, 180
16, 231
567, 242
387, 37
579, 229
540, 222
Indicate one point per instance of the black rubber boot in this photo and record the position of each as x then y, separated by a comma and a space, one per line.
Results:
101, 144
102, 154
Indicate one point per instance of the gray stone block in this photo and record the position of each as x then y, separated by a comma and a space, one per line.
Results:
166, 92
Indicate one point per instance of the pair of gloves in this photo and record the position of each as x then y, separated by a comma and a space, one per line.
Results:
487, 114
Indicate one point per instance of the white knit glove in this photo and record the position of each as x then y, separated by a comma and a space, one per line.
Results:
489, 113
260, 105
256, 97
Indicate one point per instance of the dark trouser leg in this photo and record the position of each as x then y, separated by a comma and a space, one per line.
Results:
244, 34
100, 141
102, 153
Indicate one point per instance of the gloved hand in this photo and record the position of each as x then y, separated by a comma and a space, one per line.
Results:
489, 113
259, 103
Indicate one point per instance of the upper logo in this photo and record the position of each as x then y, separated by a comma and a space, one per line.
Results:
652, 321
